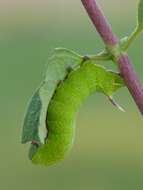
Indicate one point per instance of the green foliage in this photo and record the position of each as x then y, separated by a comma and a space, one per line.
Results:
31, 121
34, 128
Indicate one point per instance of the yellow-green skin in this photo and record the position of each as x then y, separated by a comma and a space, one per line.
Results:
64, 105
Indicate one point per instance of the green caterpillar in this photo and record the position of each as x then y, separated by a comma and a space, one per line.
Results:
63, 106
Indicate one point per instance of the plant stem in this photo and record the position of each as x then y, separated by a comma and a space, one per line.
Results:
111, 42
100, 57
131, 79
131, 38
100, 22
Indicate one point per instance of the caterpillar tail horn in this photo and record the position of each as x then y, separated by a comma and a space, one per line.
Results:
114, 103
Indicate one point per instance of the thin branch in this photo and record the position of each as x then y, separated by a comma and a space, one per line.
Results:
100, 22
103, 56
131, 38
111, 42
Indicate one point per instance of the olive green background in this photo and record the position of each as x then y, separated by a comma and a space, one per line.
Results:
108, 149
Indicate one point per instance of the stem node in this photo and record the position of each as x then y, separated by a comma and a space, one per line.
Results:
112, 43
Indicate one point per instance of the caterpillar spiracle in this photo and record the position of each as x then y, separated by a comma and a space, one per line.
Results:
63, 107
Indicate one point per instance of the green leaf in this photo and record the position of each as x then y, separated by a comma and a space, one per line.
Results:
34, 127
60, 63
67, 53
140, 15
30, 131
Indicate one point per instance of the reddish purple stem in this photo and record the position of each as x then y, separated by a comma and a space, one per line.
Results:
104, 29
131, 80
100, 22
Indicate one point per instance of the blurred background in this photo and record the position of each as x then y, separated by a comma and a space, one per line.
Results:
108, 149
